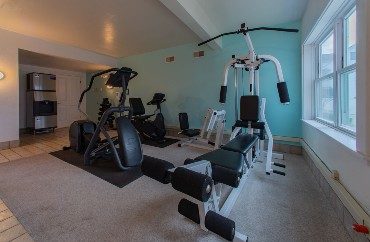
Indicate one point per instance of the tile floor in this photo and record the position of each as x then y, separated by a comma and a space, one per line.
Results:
31, 145
10, 228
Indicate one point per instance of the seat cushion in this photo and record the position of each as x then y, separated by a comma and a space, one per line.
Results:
224, 158
241, 143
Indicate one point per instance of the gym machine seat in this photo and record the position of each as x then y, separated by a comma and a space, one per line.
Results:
241, 143
227, 166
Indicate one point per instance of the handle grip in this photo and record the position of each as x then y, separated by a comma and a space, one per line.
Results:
223, 92
283, 92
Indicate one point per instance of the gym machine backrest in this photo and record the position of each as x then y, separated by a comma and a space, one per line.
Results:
138, 109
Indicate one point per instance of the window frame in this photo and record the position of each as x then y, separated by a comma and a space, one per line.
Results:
338, 29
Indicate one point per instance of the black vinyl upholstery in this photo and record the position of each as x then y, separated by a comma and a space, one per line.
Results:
241, 143
227, 166
249, 108
130, 150
184, 121
137, 106
184, 126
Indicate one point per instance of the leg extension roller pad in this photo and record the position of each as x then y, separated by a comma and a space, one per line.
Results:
189, 210
220, 225
157, 169
191, 183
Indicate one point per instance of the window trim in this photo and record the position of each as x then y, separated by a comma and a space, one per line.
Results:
337, 27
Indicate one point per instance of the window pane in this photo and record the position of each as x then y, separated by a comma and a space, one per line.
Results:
325, 99
350, 39
348, 100
327, 56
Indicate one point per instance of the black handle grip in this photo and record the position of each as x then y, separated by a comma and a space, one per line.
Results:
223, 92
283, 92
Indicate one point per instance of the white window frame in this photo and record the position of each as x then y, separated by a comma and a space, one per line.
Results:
337, 27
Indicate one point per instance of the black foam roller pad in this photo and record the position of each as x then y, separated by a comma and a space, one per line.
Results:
283, 92
189, 210
192, 183
157, 169
223, 92
220, 225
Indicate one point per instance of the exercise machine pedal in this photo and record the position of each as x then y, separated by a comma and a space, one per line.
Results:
279, 165
279, 172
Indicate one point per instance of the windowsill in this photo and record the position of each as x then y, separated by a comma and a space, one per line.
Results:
344, 139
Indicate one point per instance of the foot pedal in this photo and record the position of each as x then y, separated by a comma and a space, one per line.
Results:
279, 165
189, 209
279, 172
220, 225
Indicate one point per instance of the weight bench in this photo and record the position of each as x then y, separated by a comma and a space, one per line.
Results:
202, 179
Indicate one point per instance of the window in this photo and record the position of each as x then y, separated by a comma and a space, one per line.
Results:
335, 83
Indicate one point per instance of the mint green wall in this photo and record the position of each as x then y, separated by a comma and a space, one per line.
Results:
192, 85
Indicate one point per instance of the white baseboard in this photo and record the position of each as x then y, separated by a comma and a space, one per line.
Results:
349, 202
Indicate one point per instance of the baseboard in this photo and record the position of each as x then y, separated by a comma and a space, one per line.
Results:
9, 144
346, 207
282, 144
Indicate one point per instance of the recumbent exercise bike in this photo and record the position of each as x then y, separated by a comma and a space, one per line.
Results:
149, 129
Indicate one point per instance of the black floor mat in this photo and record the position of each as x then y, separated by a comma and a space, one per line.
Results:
104, 169
165, 143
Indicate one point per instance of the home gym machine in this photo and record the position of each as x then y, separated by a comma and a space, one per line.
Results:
202, 179
149, 129
125, 149
252, 63
214, 121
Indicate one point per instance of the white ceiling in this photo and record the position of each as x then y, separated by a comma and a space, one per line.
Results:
113, 27
227, 15
127, 27
31, 58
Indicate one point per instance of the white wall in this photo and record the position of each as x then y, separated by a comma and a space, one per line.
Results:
10, 42
353, 164
24, 70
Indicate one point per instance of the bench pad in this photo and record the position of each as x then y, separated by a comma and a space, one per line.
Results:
227, 166
241, 143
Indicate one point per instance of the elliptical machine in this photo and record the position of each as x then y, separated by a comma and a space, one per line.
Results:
149, 129
85, 134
